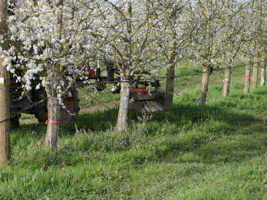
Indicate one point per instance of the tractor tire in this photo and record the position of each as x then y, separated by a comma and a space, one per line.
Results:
40, 110
14, 121
42, 117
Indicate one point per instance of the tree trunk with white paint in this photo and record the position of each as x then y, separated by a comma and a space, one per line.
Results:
52, 130
255, 73
263, 71
205, 84
53, 106
122, 123
247, 77
5, 149
227, 76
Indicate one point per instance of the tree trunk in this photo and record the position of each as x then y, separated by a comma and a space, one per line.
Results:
169, 89
263, 72
205, 84
247, 77
122, 123
171, 70
227, 76
255, 73
53, 108
5, 150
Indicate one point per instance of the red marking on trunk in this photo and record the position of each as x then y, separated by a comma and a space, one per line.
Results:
52, 121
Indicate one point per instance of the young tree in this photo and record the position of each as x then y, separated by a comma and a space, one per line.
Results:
128, 27
56, 38
235, 25
207, 37
215, 34
247, 48
174, 40
259, 40
262, 11
255, 73
248, 74
263, 70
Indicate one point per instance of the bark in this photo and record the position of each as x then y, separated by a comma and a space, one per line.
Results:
227, 76
5, 150
53, 108
171, 70
263, 72
206, 64
247, 77
255, 73
122, 123
169, 89
205, 84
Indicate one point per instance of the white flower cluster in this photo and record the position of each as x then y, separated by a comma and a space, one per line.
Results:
151, 35
49, 38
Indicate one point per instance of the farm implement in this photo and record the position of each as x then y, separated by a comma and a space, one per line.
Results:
144, 100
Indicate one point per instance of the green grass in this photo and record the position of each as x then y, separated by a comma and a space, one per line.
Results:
89, 97
216, 151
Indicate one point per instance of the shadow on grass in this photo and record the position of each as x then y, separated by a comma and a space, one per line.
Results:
215, 122
180, 114
213, 127
98, 121
214, 135
199, 114
187, 117
207, 148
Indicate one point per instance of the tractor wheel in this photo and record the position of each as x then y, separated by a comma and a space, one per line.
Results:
14, 121
68, 114
42, 117
40, 110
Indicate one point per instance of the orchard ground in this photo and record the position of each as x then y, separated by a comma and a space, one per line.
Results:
216, 151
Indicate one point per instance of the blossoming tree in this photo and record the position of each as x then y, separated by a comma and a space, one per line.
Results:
129, 27
215, 35
235, 19
255, 42
174, 39
55, 37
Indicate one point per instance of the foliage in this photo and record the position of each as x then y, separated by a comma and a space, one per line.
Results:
53, 38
